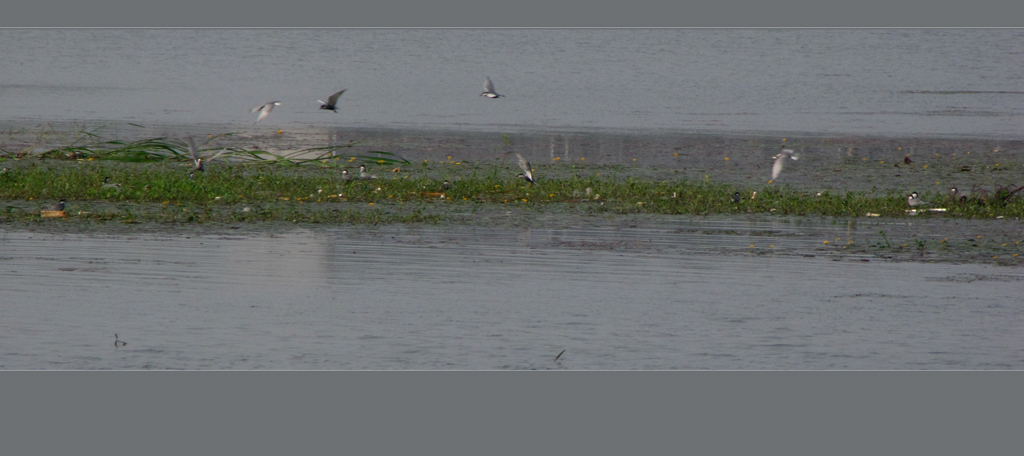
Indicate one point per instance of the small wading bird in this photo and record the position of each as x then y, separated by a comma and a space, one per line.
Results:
57, 207
264, 110
736, 197
332, 102
523, 165
489, 90
957, 195
780, 160
914, 200
119, 342
365, 175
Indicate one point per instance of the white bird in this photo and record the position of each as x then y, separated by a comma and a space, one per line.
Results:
365, 175
195, 154
332, 101
525, 166
915, 200
489, 90
780, 160
264, 110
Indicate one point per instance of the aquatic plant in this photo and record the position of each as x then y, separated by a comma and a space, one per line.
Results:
263, 180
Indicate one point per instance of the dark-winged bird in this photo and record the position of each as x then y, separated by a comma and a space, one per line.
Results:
332, 101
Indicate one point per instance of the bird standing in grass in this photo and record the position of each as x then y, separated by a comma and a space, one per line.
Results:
264, 110
332, 101
780, 160
489, 90
914, 200
365, 175
345, 176
957, 195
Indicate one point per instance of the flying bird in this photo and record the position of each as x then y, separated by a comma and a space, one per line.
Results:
489, 90
196, 159
264, 110
119, 342
525, 166
195, 154
332, 101
780, 161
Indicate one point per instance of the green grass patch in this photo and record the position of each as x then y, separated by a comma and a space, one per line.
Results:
232, 183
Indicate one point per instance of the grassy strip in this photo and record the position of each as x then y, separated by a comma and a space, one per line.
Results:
232, 184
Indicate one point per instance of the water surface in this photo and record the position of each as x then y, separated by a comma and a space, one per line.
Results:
915, 82
688, 295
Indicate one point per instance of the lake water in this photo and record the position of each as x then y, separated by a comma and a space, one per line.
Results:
687, 293
886, 82
670, 104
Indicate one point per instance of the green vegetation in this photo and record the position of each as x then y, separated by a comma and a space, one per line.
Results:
234, 184
154, 180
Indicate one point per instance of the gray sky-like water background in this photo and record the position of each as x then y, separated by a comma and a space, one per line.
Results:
670, 293
847, 81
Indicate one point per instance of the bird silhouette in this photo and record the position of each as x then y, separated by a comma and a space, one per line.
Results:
332, 101
489, 89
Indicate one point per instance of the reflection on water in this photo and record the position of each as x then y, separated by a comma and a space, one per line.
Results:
487, 298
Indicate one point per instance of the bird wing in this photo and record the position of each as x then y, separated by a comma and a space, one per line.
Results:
523, 164
488, 85
218, 154
333, 99
192, 149
265, 111
777, 167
